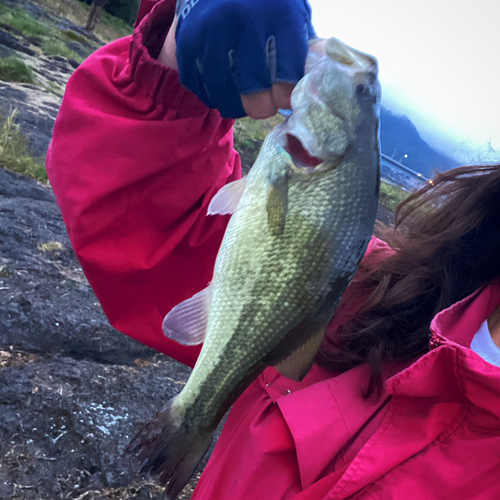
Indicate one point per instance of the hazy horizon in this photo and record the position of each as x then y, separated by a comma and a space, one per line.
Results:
437, 66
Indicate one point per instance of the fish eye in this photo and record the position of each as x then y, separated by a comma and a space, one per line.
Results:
362, 89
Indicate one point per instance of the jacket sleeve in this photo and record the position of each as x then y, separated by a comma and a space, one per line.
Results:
134, 161
145, 8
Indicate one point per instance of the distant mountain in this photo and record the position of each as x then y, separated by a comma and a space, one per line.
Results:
399, 137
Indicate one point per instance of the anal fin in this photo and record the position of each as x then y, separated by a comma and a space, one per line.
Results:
187, 322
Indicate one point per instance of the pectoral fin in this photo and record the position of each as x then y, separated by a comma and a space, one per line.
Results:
187, 322
277, 204
298, 364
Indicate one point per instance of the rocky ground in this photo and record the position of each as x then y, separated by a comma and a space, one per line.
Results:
37, 104
72, 389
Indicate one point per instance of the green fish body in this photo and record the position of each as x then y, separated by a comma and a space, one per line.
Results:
302, 220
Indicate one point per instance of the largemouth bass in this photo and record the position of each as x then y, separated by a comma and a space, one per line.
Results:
302, 220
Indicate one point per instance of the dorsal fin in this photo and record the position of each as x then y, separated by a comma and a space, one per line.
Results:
298, 364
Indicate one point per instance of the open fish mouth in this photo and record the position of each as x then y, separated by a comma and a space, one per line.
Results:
300, 155
302, 161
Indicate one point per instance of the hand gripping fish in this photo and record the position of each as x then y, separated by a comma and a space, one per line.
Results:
302, 220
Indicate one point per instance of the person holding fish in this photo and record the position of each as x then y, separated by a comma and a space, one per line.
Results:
377, 382
137, 155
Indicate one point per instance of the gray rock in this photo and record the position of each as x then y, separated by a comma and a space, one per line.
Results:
11, 42
36, 41
78, 48
65, 423
12, 30
47, 304
36, 113
73, 390
17, 186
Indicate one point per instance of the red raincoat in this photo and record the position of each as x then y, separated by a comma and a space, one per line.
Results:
134, 161
433, 435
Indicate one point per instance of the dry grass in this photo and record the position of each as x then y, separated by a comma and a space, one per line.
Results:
51, 246
15, 70
108, 29
14, 153
13, 357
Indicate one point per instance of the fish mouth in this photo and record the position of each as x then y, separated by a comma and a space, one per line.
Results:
299, 154
349, 56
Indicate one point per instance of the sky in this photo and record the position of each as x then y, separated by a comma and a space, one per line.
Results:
439, 64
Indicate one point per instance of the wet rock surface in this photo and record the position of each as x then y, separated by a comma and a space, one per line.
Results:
72, 389
37, 104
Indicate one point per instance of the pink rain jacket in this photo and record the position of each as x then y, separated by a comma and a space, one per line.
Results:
433, 435
134, 162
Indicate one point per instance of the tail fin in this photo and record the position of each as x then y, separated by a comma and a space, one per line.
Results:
167, 448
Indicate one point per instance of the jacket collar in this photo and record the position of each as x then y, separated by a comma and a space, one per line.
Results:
460, 322
451, 371
449, 384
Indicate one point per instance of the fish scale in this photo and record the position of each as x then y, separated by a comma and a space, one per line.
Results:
297, 234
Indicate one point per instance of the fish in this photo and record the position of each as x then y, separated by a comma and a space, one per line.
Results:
301, 222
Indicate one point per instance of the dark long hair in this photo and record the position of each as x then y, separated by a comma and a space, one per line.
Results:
447, 242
